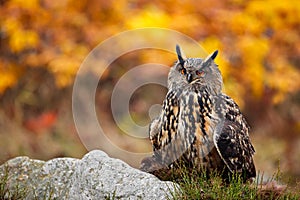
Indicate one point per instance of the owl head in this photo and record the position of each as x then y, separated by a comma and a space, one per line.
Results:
201, 73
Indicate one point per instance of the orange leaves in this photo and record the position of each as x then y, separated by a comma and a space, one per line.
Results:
8, 76
29, 4
64, 69
44, 121
250, 35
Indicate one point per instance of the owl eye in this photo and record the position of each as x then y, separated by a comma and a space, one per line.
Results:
183, 71
200, 73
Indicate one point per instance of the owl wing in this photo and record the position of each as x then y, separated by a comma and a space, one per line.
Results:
232, 140
163, 130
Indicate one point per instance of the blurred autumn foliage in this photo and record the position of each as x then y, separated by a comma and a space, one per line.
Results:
43, 43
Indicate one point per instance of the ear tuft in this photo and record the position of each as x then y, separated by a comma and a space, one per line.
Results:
214, 55
210, 58
179, 55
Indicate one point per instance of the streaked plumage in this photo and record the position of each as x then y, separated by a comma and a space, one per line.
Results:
198, 124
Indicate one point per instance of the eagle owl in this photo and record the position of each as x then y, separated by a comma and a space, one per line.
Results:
199, 125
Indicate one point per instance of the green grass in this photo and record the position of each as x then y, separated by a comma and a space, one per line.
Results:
198, 186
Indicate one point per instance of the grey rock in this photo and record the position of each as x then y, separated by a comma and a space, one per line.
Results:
95, 176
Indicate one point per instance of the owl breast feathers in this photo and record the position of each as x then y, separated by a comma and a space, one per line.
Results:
199, 126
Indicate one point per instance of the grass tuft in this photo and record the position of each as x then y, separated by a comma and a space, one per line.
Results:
196, 185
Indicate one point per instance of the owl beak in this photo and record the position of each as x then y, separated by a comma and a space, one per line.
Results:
189, 78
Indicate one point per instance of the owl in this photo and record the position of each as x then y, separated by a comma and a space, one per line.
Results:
199, 126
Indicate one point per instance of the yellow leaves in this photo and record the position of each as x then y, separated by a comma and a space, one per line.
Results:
79, 20
254, 51
246, 33
284, 79
211, 44
231, 86
179, 22
8, 76
7, 79
10, 25
64, 69
66, 66
276, 14
241, 23
156, 56
276, 18
149, 17
235, 90
21, 39
255, 75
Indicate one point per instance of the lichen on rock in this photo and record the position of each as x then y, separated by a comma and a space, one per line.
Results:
95, 176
